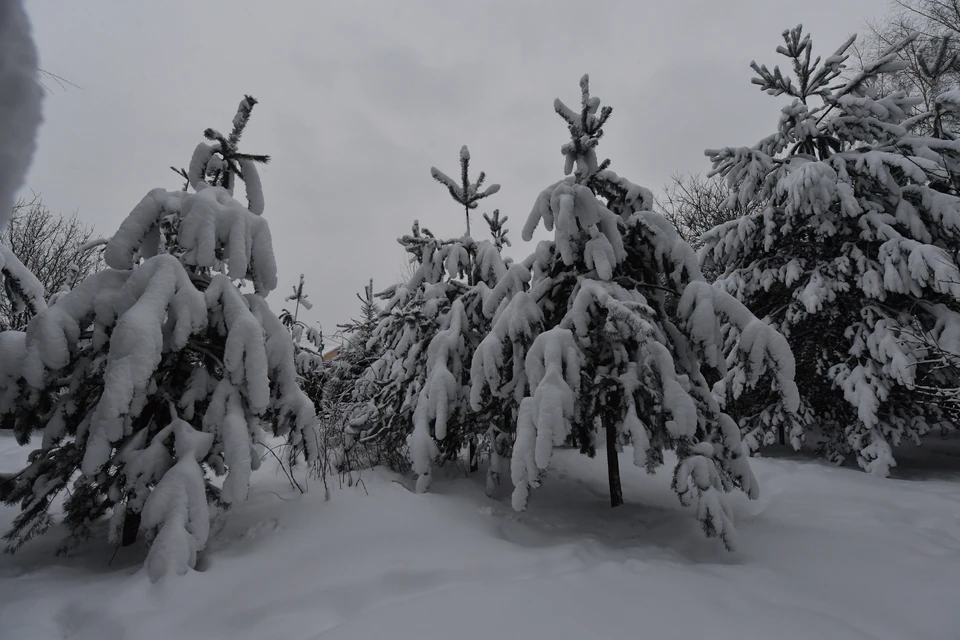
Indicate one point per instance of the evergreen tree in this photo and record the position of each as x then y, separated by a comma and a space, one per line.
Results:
430, 328
156, 372
359, 349
853, 256
613, 335
307, 344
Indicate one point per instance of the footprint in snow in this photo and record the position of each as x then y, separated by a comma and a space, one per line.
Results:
260, 528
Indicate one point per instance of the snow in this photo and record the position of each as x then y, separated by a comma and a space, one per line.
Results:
138, 234
438, 397
245, 355
22, 95
553, 369
178, 506
158, 290
251, 181
825, 553
199, 162
211, 220
22, 287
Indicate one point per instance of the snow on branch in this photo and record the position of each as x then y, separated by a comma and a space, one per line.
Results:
214, 222
177, 507
295, 412
245, 356
553, 370
22, 287
703, 307
438, 396
139, 233
466, 193
157, 308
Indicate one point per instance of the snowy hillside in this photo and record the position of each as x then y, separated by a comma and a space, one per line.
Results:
826, 553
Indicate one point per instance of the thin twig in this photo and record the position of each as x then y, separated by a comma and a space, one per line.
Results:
293, 482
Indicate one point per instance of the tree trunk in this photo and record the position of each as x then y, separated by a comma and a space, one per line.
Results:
474, 464
131, 527
783, 433
6, 484
613, 467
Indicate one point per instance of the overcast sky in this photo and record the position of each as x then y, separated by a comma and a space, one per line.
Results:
358, 99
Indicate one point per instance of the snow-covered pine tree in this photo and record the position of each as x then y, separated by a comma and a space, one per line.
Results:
149, 376
614, 333
358, 351
430, 328
856, 245
348, 387
307, 343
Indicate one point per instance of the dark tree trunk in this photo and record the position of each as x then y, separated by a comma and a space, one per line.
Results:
474, 464
6, 485
131, 527
613, 466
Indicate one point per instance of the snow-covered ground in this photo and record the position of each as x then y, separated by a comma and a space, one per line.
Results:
825, 553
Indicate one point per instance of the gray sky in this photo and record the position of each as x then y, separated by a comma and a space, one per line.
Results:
358, 99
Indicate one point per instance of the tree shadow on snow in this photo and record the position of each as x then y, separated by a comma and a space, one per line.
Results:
571, 510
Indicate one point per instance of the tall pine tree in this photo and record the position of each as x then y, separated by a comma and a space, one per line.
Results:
151, 375
853, 256
613, 335
431, 326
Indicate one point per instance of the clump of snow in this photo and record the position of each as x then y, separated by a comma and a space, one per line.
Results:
251, 181
177, 506
212, 222
439, 394
156, 298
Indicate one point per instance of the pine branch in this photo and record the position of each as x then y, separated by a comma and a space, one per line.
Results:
467, 194
241, 119
261, 159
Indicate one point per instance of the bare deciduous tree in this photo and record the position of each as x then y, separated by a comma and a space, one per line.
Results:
931, 60
53, 246
696, 205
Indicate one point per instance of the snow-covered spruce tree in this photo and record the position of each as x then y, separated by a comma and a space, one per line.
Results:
149, 376
348, 387
358, 350
614, 333
307, 343
430, 328
856, 246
